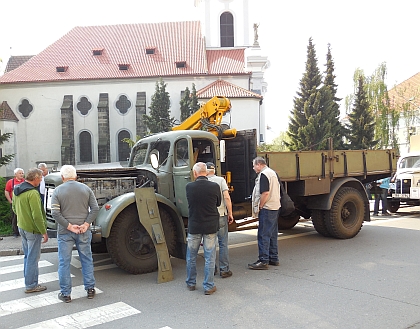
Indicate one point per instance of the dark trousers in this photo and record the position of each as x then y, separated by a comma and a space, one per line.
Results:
14, 223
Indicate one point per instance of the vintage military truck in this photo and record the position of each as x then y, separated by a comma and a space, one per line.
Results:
325, 185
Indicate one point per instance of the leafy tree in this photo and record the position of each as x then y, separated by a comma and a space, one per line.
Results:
361, 125
159, 119
130, 142
315, 114
185, 105
277, 145
194, 105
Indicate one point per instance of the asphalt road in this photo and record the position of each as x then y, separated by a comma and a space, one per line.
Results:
370, 281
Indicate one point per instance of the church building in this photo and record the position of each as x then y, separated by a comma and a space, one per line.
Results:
75, 101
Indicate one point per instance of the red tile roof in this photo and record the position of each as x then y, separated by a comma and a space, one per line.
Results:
227, 89
405, 92
126, 44
6, 112
16, 61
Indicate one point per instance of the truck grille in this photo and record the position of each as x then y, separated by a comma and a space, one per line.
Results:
403, 186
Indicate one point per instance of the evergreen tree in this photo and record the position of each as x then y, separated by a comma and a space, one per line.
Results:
194, 105
159, 119
361, 125
337, 131
308, 126
4, 160
185, 105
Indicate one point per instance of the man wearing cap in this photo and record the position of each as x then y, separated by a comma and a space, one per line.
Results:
226, 216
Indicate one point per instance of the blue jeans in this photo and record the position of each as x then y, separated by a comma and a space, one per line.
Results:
31, 245
222, 236
209, 246
65, 247
267, 235
382, 196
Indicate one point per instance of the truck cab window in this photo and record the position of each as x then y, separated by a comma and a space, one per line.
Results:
139, 154
181, 153
203, 151
163, 148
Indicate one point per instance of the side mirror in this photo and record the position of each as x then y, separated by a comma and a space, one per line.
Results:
154, 159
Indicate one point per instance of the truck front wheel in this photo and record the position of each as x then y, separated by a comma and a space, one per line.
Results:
345, 219
393, 206
130, 246
318, 220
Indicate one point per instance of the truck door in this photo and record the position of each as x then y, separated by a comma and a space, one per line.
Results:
182, 172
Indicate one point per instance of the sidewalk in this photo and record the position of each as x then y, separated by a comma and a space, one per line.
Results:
11, 246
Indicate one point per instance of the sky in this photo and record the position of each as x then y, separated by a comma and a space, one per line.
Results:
362, 34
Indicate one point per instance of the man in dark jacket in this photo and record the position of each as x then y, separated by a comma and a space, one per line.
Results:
32, 225
203, 223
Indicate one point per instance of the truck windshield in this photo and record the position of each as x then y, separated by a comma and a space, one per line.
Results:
139, 154
410, 162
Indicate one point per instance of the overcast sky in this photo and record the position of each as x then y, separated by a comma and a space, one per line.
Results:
362, 34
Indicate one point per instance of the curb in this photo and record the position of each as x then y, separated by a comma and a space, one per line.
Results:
16, 252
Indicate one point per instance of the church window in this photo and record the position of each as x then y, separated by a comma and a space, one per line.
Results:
123, 104
226, 30
85, 146
25, 108
123, 147
84, 106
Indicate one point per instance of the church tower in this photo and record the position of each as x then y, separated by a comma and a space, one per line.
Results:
227, 23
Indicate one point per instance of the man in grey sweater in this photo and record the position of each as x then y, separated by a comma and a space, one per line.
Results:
74, 208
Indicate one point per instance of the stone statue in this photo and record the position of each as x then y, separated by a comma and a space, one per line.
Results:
256, 34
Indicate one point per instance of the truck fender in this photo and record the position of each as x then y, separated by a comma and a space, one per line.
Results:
110, 211
324, 201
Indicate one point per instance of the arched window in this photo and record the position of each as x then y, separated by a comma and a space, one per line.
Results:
85, 146
226, 30
123, 147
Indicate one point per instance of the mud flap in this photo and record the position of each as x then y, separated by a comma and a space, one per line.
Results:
149, 217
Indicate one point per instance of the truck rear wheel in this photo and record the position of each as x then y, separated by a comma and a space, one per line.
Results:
130, 246
318, 220
345, 219
393, 206
288, 222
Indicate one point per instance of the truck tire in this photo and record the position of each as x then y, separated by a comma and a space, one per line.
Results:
288, 222
130, 246
345, 219
318, 220
393, 206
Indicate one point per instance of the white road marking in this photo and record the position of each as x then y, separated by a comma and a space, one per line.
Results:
104, 267
20, 283
19, 267
39, 300
88, 318
9, 258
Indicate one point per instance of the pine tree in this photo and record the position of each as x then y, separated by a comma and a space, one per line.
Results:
337, 131
184, 105
159, 119
304, 125
4, 160
194, 105
361, 125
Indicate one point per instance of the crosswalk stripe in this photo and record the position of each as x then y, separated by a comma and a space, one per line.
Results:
10, 258
20, 283
88, 318
39, 300
19, 267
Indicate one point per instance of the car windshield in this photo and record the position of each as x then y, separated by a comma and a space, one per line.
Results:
410, 162
139, 154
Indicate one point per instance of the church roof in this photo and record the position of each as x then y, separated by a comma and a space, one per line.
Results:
6, 112
227, 89
16, 61
128, 51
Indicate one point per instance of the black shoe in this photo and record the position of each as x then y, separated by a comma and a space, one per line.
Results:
274, 263
226, 274
258, 265
65, 299
91, 293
